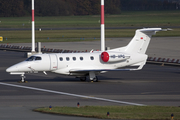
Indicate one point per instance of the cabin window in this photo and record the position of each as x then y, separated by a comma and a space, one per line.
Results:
81, 58
61, 59
67, 58
92, 58
74, 58
38, 58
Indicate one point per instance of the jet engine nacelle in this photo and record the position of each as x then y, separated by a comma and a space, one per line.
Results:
113, 56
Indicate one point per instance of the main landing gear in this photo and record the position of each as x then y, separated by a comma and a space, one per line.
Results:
22, 79
83, 78
93, 77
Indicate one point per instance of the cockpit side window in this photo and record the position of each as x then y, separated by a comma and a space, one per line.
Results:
37, 58
30, 58
33, 58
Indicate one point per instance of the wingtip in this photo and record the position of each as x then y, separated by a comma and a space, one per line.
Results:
168, 29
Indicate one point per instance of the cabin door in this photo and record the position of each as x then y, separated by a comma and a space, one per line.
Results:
53, 62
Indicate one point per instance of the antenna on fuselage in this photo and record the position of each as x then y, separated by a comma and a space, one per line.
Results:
102, 27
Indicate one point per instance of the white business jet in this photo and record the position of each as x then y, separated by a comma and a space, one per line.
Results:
81, 65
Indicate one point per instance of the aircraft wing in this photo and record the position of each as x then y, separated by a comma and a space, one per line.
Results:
127, 68
98, 70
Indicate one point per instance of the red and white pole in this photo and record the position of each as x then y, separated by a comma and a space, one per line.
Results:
33, 28
102, 27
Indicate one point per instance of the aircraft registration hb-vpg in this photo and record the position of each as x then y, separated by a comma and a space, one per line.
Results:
130, 57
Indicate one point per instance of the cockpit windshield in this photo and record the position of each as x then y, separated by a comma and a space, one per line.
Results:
33, 58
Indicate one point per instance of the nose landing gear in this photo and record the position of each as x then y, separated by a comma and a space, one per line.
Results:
22, 79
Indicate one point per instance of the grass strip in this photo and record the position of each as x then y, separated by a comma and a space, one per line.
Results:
73, 35
117, 112
131, 18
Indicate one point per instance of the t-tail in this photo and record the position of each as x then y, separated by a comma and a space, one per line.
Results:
137, 47
140, 41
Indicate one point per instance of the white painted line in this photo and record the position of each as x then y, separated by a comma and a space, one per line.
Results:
69, 94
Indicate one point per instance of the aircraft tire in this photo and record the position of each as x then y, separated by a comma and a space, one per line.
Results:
83, 78
95, 79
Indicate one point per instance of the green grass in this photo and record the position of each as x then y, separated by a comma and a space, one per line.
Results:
140, 19
126, 19
118, 112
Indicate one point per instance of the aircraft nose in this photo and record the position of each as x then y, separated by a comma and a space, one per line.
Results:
12, 69
19, 67
8, 70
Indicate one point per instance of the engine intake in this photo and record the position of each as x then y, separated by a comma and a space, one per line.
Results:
113, 56
105, 56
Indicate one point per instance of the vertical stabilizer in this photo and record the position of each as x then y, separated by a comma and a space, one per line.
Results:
141, 40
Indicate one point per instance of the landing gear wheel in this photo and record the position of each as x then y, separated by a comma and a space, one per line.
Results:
95, 79
83, 78
22, 80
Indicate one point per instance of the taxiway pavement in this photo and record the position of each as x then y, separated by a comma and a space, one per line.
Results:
154, 85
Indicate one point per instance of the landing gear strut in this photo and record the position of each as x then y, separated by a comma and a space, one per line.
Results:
22, 79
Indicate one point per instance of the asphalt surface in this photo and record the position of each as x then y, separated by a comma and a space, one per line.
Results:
154, 85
